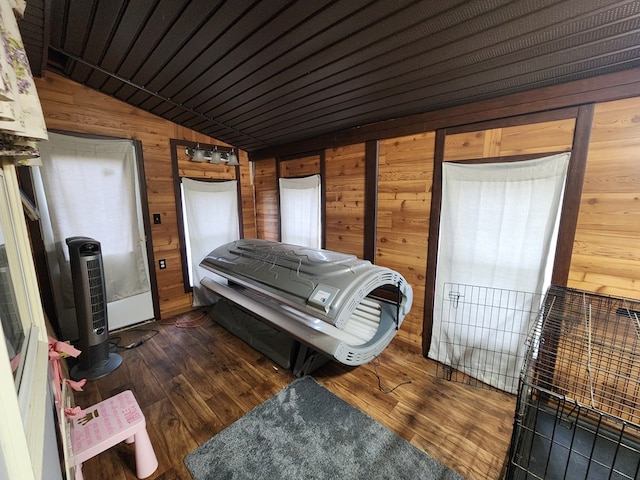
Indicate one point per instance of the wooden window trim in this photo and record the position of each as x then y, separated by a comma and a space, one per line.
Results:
323, 196
569, 209
175, 144
35, 234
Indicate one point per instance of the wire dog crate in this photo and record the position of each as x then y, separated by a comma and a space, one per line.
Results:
578, 405
483, 334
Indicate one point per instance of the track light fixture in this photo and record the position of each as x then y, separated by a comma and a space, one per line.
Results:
215, 155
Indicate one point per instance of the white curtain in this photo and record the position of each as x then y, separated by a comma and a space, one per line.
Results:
89, 188
498, 229
300, 219
211, 219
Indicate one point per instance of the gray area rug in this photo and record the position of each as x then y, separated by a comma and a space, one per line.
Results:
305, 431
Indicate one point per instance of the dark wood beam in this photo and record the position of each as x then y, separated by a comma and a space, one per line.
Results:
370, 199
572, 195
432, 246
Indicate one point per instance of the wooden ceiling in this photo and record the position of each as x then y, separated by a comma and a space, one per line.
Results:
259, 74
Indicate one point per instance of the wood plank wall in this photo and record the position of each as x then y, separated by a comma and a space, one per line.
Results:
344, 184
533, 138
605, 258
73, 108
266, 189
300, 167
606, 252
266, 200
344, 197
405, 174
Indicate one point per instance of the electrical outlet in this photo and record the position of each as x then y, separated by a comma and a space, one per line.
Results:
162, 264
156, 218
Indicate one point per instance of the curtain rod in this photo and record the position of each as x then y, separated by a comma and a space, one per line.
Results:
155, 94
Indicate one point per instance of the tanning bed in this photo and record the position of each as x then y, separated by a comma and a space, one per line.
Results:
343, 307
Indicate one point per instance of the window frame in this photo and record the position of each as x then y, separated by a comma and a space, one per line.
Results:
281, 172
286, 213
23, 413
177, 145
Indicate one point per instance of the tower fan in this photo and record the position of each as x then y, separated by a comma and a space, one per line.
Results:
89, 293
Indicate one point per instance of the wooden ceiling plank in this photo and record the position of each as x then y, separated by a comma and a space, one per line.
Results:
421, 97
402, 36
355, 117
337, 45
174, 40
189, 61
386, 70
150, 104
292, 29
105, 20
78, 22
131, 21
162, 19
267, 73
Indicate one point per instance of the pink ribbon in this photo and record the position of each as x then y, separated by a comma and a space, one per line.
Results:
58, 350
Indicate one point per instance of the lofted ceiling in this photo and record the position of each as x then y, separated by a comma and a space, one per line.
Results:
259, 74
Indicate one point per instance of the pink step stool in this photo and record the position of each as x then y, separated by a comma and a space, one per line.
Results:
108, 423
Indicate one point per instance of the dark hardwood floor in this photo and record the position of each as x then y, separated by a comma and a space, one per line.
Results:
193, 382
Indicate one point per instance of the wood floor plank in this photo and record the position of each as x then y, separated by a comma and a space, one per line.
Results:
164, 368
225, 407
193, 382
197, 417
116, 463
145, 386
170, 437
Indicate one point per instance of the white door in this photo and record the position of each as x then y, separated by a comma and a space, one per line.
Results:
498, 230
90, 187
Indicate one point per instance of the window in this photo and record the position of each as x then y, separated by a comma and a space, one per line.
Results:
300, 214
14, 329
210, 214
23, 353
498, 229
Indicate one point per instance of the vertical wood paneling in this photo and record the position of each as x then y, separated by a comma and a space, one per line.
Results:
465, 145
248, 196
532, 138
492, 143
404, 198
605, 257
542, 137
606, 252
71, 107
345, 207
266, 191
300, 167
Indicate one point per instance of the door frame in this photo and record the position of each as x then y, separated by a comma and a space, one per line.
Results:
583, 116
37, 242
